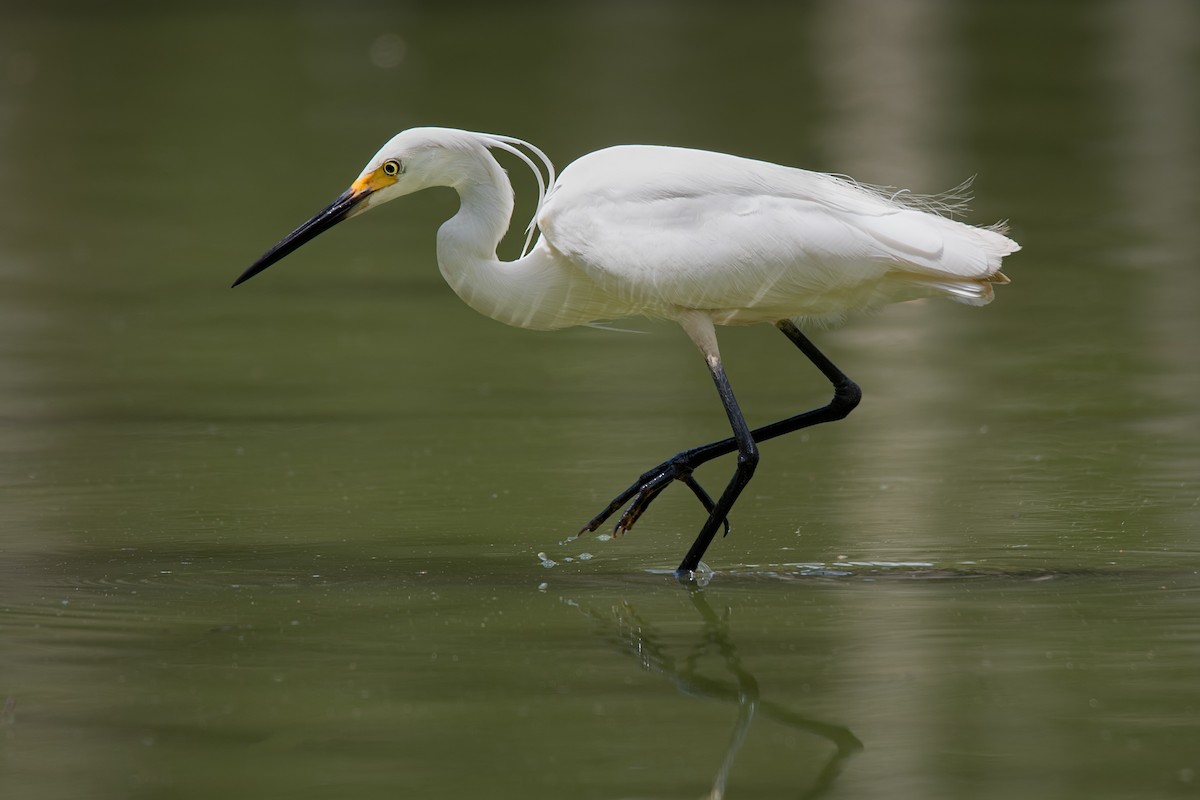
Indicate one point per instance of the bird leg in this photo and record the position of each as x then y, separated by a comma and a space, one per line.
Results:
846, 395
747, 460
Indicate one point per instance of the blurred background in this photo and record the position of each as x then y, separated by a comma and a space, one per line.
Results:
308, 536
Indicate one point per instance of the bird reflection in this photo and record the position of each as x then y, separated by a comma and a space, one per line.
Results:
635, 635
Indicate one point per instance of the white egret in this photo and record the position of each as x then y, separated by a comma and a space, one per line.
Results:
697, 237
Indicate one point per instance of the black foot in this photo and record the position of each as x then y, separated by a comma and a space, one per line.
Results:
645, 489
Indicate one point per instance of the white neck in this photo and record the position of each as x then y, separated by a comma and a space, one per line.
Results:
538, 291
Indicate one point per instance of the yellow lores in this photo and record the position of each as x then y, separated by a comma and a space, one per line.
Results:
381, 177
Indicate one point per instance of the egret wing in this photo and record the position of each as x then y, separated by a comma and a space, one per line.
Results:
664, 226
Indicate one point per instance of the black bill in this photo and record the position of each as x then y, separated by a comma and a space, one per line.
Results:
325, 219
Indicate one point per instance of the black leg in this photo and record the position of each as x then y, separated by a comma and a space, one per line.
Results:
746, 462
651, 483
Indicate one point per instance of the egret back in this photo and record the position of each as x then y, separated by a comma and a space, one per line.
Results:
665, 228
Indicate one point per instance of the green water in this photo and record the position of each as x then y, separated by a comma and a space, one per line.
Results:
295, 539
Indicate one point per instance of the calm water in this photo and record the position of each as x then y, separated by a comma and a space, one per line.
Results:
305, 538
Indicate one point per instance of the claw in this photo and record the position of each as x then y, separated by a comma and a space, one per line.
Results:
638, 507
638, 497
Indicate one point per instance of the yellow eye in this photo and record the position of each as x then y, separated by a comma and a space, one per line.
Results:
391, 168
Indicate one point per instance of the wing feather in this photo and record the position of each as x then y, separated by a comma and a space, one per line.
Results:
663, 225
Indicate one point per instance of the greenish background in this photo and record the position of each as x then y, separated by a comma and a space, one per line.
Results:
284, 541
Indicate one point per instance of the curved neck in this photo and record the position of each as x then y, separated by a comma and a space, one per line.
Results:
485, 210
538, 291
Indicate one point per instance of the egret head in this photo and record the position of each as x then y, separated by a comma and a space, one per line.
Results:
416, 159
413, 160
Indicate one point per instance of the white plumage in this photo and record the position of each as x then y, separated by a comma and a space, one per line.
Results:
663, 228
698, 237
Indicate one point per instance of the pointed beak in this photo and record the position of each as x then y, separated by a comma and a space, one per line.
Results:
344, 207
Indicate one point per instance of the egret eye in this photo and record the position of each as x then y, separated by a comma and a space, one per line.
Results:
391, 168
